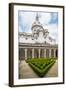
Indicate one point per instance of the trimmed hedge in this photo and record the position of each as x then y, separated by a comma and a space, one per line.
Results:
41, 66
38, 59
40, 72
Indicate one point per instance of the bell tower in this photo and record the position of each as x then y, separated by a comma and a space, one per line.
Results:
37, 28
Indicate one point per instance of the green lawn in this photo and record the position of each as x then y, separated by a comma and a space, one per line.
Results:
42, 65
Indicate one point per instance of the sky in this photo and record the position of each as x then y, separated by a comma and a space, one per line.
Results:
49, 20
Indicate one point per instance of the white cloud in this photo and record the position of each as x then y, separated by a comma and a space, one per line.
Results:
20, 29
28, 19
45, 18
53, 31
55, 16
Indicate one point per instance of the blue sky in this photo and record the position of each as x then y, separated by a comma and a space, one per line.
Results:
49, 20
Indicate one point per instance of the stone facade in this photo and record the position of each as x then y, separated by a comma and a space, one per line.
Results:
37, 44
37, 51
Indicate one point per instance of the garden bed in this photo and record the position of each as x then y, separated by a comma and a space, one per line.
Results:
42, 65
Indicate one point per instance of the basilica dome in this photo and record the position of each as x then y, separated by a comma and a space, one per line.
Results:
36, 22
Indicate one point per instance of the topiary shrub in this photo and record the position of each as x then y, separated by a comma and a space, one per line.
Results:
41, 66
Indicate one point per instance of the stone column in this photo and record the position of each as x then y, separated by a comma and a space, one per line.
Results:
44, 53
32, 52
49, 53
25, 53
39, 52
54, 53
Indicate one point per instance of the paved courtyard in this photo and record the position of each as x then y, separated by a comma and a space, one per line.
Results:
53, 72
25, 71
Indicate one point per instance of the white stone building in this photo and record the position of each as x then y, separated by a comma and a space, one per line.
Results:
38, 44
